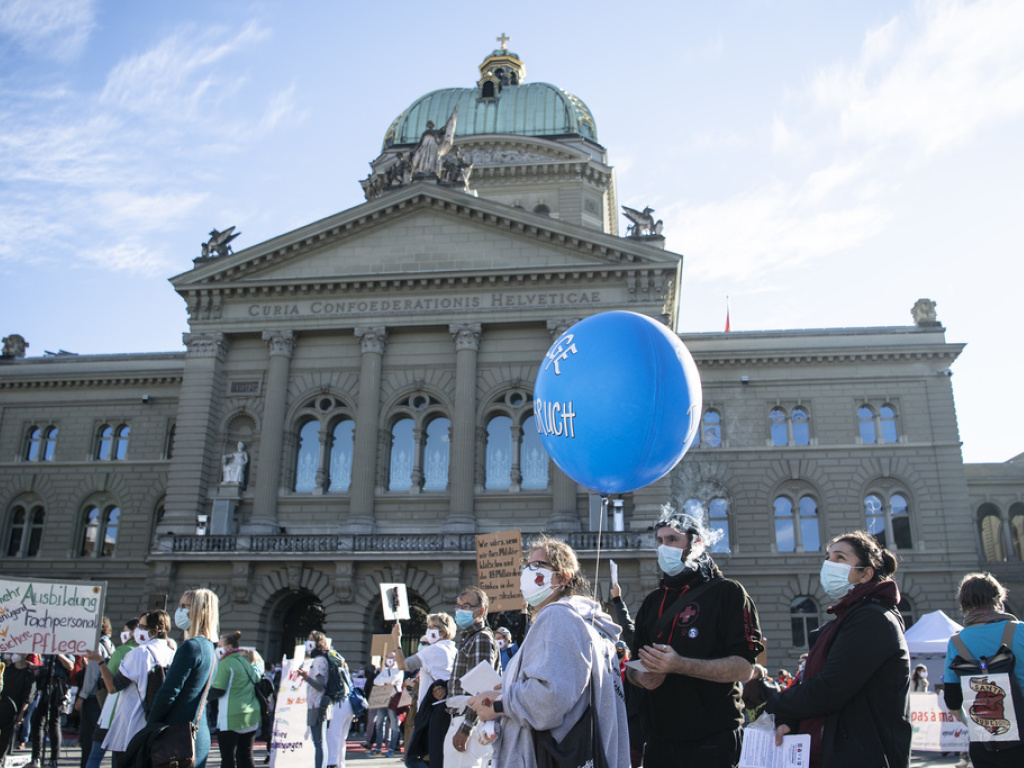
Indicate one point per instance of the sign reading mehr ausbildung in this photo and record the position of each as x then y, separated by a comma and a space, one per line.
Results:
498, 556
50, 616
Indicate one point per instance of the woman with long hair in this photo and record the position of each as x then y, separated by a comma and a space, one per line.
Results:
238, 716
565, 665
183, 692
853, 697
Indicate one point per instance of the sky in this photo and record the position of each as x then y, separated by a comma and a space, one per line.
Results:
820, 164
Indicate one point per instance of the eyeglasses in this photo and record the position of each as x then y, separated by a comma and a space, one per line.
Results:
465, 606
536, 565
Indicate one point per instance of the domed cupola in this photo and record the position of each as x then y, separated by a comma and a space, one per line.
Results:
501, 103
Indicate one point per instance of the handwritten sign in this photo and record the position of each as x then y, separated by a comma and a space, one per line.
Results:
380, 696
498, 557
289, 747
50, 616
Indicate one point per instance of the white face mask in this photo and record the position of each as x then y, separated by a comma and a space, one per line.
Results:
310, 646
126, 635
141, 635
502, 643
433, 635
536, 585
16, 658
220, 652
835, 579
389, 663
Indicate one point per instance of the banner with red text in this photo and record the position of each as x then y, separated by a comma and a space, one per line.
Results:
936, 729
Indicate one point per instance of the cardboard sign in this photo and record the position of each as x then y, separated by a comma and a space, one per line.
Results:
289, 747
395, 601
498, 557
381, 646
380, 696
47, 617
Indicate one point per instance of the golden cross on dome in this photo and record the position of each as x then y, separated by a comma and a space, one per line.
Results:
503, 39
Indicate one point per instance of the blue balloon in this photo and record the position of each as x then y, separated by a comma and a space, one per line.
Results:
617, 401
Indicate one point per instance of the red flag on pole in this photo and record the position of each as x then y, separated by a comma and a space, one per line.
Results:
727, 314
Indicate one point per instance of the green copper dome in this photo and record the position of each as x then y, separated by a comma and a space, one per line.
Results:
500, 104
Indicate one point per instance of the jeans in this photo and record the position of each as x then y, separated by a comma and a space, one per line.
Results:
317, 732
386, 715
97, 753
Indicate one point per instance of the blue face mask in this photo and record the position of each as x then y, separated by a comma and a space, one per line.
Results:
463, 618
835, 579
181, 619
670, 559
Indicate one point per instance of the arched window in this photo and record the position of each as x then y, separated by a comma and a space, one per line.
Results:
801, 426
711, 428
37, 519
16, 536
887, 424
403, 449
35, 442
342, 452
803, 618
1017, 529
121, 442
308, 458
778, 427
797, 525
435, 456
26, 532
106, 442
866, 419
324, 446
498, 462
887, 518
534, 459
487, 91
906, 609
99, 534
542, 209
718, 520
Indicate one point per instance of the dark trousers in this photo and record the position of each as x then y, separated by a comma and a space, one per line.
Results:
1003, 758
87, 726
7, 735
236, 749
719, 751
46, 722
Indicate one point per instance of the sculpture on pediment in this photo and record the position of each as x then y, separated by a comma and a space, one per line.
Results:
455, 170
434, 145
15, 345
643, 223
924, 313
232, 466
219, 243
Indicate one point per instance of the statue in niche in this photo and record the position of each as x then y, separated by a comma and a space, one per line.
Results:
433, 146
643, 223
232, 466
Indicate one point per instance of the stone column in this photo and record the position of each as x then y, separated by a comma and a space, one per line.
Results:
564, 515
195, 463
461, 516
281, 345
373, 340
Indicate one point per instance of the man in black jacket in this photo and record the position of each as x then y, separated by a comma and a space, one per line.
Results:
697, 636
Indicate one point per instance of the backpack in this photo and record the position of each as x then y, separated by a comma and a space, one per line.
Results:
154, 679
992, 695
337, 686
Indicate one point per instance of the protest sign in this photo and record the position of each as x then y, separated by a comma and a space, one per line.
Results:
395, 601
289, 747
380, 696
381, 646
936, 729
47, 617
498, 557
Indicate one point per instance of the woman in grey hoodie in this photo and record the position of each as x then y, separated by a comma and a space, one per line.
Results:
568, 653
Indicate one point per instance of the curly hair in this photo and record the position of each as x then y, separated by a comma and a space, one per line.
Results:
564, 559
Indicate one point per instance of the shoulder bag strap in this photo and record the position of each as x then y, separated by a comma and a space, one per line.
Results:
961, 648
206, 690
684, 600
1008, 630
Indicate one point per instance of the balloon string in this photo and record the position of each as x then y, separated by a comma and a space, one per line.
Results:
597, 567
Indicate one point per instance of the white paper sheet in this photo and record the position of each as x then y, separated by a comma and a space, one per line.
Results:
480, 678
759, 750
615, 571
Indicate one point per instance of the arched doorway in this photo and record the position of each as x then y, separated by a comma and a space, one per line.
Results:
298, 614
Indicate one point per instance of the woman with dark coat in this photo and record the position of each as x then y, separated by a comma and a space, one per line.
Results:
853, 698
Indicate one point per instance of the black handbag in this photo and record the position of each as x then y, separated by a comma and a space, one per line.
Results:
175, 745
580, 748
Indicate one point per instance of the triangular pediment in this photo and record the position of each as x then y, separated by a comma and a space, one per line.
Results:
424, 230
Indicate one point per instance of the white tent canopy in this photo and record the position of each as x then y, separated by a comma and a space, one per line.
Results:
931, 633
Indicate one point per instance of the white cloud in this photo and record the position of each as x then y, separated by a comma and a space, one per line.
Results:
961, 68
57, 29
128, 255
147, 212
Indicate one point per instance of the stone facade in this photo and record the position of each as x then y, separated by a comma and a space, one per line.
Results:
429, 310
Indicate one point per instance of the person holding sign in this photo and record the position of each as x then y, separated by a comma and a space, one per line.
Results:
853, 698
986, 627
696, 637
317, 707
566, 673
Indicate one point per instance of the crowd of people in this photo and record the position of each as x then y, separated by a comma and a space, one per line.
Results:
676, 686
